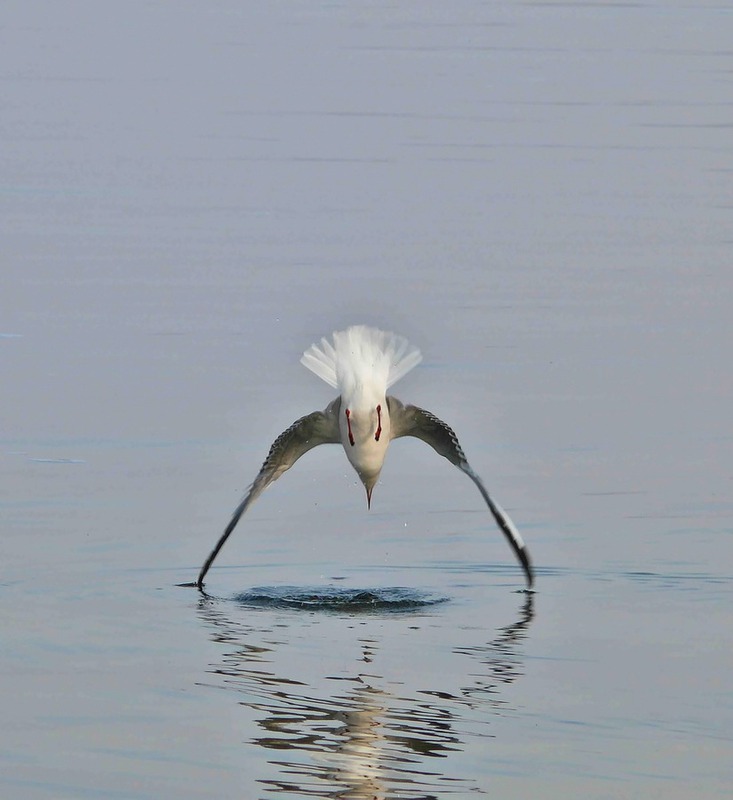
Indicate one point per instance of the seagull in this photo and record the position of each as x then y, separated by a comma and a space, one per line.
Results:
362, 363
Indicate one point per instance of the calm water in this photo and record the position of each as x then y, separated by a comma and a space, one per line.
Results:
539, 196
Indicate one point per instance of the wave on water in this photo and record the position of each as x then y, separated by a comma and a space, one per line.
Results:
331, 598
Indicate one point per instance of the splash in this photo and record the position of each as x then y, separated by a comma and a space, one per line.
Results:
336, 599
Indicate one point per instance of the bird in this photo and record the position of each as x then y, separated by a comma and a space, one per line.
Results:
362, 362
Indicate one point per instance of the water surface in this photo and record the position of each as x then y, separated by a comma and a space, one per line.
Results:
538, 195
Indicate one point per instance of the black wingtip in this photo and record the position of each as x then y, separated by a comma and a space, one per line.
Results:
193, 585
526, 563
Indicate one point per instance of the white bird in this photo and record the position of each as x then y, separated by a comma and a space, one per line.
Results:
362, 363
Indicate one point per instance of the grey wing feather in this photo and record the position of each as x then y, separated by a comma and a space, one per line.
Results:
320, 427
413, 421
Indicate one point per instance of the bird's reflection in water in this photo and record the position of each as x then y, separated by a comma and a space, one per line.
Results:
362, 734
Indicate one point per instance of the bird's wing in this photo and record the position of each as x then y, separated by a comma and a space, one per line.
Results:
320, 427
414, 421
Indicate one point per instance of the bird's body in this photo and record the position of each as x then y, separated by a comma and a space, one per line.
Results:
362, 363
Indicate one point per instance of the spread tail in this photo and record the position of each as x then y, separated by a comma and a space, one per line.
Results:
361, 356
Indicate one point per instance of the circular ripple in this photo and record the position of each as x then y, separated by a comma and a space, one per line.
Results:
330, 598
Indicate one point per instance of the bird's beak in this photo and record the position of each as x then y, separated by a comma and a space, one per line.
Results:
369, 481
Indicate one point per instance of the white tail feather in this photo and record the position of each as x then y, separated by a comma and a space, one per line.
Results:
361, 358
321, 362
